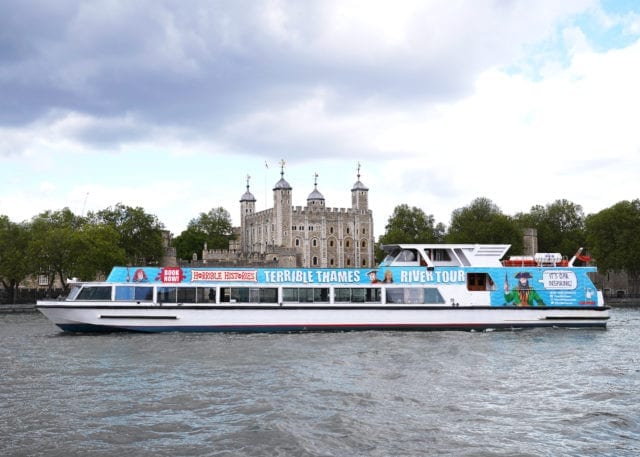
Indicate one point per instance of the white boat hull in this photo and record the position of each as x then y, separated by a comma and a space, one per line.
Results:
247, 318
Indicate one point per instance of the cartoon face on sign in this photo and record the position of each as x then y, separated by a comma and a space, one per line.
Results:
140, 276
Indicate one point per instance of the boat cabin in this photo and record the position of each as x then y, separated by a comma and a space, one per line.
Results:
445, 255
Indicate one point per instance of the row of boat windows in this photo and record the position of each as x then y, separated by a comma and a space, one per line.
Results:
404, 295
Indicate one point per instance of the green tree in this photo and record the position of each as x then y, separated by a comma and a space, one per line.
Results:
55, 244
190, 241
483, 222
99, 251
15, 264
213, 228
140, 234
560, 226
613, 237
410, 225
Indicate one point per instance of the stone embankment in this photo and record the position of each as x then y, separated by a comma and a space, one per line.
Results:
21, 308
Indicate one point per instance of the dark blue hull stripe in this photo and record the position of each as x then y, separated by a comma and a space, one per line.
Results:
87, 328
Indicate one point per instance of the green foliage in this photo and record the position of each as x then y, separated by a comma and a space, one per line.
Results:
140, 234
213, 228
55, 244
15, 264
99, 251
189, 242
613, 236
483, 222
560, 226
410, 225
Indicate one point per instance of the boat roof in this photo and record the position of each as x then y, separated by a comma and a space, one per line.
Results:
460, 254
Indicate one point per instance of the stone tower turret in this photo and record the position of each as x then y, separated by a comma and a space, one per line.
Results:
280, 231
247, 209
315, 198
360, 194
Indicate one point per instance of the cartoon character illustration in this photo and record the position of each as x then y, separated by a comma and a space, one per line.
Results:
522, 294
140, 276
373, 276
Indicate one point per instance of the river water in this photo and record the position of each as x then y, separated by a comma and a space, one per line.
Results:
537, 392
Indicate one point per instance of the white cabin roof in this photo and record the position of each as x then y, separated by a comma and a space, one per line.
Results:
467, 255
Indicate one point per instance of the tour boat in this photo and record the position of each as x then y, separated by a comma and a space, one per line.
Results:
417, 287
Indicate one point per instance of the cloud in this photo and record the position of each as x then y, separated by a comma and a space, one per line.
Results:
228, 62
442, 102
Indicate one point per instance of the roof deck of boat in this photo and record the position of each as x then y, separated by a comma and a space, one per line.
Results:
451, 255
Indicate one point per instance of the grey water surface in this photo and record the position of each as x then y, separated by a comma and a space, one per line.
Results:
537, 392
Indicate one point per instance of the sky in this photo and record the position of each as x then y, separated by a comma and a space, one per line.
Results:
170, 105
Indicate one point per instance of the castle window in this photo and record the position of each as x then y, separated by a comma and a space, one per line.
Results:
347, 244
348, 230
297, 242
364, 231
311, 228
331, 243
348, 262
331, 262
314, 242
364, 262
315, 261
364, 244
330, 229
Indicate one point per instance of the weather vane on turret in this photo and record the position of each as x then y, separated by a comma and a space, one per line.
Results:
248, 178
358, 171
315, 179
282, 164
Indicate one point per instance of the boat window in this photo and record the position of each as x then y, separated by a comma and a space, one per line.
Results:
342, 294
186, 295
441, 255
95, 293
373, 295
480, 281
321, 295
305, 295
357, 295
268, 295
395, 295
250, 295
432, 295
407, 255
167, 294
413, 295
144, 293
73, 293
128, 293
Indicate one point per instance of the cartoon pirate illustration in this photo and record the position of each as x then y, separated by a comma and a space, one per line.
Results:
522, 294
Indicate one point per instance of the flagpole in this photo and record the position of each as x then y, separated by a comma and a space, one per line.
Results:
266, 167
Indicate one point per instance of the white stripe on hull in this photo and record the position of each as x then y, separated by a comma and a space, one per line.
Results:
305, 318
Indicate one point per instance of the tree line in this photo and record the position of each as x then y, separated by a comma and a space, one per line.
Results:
62, 245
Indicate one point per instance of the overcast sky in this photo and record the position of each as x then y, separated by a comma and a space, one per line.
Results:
170, 105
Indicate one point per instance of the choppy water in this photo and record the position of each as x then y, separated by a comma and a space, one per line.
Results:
540, 392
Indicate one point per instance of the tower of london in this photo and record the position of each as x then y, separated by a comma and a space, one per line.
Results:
313, 236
